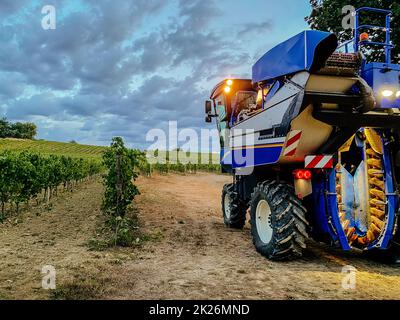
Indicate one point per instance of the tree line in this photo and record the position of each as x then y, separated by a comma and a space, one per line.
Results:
18, 130
327, 15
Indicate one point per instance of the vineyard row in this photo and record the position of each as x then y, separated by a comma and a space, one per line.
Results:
147, 168
25, 176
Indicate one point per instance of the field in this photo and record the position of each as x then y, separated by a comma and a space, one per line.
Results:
185, 252
183, 157
48, 147
95, 152
182, 250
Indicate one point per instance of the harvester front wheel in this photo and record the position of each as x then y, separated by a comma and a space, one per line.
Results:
278, 222
233, 209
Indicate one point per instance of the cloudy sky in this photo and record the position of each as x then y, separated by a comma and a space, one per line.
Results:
121, 68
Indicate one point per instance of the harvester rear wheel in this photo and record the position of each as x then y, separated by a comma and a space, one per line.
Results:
278, 222
389, 256
233, 209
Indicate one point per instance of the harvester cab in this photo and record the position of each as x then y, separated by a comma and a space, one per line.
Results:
321, 127
231, 100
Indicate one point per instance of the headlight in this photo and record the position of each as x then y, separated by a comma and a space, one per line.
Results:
398, 94
227, 89
229, 82
387, 93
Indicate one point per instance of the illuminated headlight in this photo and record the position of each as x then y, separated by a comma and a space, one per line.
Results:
387, 93
227, 89
398, 94
229, 82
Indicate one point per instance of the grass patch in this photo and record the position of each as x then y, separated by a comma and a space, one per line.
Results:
156, 236
97, 244
79, 289
3, 297
117, 232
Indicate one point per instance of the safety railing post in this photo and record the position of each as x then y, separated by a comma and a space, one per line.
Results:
388, 48
356, 32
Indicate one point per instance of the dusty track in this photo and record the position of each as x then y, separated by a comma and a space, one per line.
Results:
56, 237
191, 255
199, 258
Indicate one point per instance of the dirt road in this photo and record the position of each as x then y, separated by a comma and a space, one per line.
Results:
199, 258
55, 236
190, 254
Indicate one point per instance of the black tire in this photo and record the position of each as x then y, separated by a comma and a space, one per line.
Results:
389, 256
287, 222
234, 211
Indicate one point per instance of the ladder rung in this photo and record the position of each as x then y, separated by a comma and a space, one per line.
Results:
368, 26
384, 44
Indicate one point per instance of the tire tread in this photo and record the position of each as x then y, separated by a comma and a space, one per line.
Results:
288, 221
238, 209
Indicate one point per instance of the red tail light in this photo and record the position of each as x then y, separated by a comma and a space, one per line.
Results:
307, 175
299, 175
302, 174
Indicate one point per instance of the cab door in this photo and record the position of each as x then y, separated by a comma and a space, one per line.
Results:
221, 109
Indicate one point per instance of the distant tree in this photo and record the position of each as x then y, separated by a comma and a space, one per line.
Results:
327, 15
4, 128
73, 142
30, 131
18, 130
21, 130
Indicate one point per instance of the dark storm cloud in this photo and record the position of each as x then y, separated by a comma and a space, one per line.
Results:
207, 53
256, 28
85, 47
188, 40
38, 105
12, 85
199, 13
83, 71
10, 7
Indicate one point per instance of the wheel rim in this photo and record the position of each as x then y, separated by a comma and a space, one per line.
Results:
263, 221
227, 206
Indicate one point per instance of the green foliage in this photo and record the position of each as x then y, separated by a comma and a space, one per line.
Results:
124, 230
5, 130
25, 175
119, 187
43, 147
17, 130
327, 15
194, 162
120, 191
80, 288
178, 167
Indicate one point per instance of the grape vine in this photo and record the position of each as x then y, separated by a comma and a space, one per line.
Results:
120, 189
25, 176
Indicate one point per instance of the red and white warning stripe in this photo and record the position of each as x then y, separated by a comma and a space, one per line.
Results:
292, 143
319, 162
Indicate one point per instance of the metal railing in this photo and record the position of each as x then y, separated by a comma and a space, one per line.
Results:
388, 46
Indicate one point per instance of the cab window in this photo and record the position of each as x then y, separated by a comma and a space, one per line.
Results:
269, 91
244, 106
220, 108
